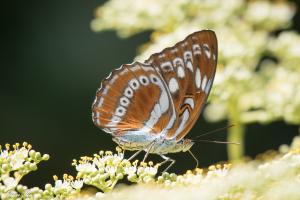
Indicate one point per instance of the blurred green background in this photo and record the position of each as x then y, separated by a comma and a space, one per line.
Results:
51, 66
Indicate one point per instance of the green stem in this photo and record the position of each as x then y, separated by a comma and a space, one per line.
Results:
235, 134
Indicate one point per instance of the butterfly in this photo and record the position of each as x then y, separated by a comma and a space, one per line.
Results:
152, 105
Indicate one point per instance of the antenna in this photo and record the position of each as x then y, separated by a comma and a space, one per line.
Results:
214, 131
216, 141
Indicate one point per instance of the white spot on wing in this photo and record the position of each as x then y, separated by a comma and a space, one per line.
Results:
208, 86
113, 79
173, 85
207, 50
113, 122
174, 50
190, 102
164, 98
198, 78
154, 79
147, 68
185, 117
144, 80
157, 110
184, 43
187, 56
100, 102
123, 71
97, 115
189, 66
120, 111
164, 102
196, 49
204, 83
162, 55
98, 121
115, 119
124, 101
105, 90
154, 117
134, 84
166, 66
178, 61
180, 72
128, 92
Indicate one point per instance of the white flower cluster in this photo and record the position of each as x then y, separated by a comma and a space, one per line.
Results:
276, 179
19, 160
15, 162
105, 169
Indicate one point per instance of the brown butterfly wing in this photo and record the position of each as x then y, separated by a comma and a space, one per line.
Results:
132, 97
188, 69
163, 96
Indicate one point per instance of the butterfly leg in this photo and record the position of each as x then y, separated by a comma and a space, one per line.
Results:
134, 155
148, 150
139, 151
167, 159
197, 162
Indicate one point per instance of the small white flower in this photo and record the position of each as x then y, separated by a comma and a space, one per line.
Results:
4, 154
18, 158
10, 182
150, 171
86, 167
59, 184
130, 170
13, 194
111, 169
118, 157
77, 184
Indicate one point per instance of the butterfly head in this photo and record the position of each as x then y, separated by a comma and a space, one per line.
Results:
182, 145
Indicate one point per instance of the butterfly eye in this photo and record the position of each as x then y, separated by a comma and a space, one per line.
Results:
134, 84
128, 92
124, 101
144, 80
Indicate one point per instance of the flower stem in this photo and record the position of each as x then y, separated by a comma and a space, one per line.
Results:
235, 134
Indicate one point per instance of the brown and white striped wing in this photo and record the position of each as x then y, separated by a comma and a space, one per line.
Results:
132, 98
188, 69
163, 96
